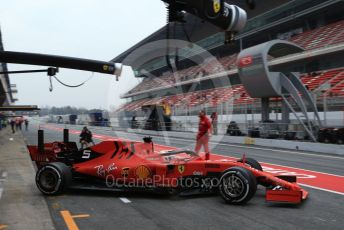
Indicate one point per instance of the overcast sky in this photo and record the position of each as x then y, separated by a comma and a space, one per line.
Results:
90, 29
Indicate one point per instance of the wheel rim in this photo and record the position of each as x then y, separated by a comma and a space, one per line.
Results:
48, 180
233, 186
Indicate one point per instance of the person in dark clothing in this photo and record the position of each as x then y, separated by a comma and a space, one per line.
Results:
86, 137
26, 122
21, 123
13, 123
17, 123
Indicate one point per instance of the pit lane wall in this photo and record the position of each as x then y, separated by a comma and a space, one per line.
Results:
255, 142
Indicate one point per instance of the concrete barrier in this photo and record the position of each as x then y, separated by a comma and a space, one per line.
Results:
270, 143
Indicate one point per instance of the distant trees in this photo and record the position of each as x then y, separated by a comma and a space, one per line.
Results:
47, 110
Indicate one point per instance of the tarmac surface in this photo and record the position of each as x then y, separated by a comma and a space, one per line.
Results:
21, 204
110, 210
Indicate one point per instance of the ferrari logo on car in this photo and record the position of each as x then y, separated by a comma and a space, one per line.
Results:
125, 172
216, 6
181, 168
143, 172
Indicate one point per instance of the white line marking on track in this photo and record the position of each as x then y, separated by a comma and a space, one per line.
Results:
125, 200
4, 175
322, 189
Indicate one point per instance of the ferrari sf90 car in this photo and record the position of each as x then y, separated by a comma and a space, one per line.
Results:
131, 166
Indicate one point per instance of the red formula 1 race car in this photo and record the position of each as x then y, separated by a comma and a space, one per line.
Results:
124, 165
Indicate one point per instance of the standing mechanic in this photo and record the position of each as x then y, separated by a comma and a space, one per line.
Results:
203, 135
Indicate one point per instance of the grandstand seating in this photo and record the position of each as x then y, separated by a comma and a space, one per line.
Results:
238, 95
313, 82
338, 90
337, 85
324, 36
169, 79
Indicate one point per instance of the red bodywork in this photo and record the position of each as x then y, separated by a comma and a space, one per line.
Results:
136, 162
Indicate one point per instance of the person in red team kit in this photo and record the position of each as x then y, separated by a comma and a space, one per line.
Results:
203, 135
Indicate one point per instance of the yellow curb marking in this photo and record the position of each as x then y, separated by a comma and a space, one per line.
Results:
69, 219
81, 216
55, 205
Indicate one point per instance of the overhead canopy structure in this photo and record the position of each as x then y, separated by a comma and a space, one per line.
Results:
195, 28
14, 108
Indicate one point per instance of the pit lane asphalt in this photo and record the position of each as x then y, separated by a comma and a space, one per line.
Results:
323, 210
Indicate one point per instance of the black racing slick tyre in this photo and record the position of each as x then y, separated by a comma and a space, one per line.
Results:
237, 185
53, 178
252, 163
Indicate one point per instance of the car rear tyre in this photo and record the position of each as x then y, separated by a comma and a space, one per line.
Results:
252, 163
237, 185
53, 178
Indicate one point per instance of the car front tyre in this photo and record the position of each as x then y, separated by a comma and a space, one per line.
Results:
237, 185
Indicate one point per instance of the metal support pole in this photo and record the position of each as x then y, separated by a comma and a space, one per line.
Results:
25, 71
65, 135
285, 115
265, 109
325, 109
40, 141
246, 126
61, 61
253, 112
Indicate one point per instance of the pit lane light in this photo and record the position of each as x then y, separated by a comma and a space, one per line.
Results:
230, 18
